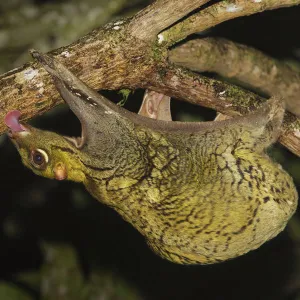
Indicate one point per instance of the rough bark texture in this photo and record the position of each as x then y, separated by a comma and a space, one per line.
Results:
218, 13
160, 15
49, 25
247, 65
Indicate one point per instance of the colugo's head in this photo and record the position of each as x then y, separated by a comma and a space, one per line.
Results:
45, 153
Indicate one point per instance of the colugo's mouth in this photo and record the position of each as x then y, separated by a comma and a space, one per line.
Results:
12, 121
17, 130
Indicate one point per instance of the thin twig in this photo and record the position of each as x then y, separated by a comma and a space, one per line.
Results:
218, 13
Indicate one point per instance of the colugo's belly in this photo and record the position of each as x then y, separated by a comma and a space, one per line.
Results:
221, 236
227, 216
228, 224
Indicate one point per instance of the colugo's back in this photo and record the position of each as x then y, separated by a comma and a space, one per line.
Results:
198, 192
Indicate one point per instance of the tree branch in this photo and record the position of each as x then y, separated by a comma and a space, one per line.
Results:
160, 15
113, 58
222, 97
107, 58
218, 13
48, 26
243, 63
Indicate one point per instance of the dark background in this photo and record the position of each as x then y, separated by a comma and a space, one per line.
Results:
34, 209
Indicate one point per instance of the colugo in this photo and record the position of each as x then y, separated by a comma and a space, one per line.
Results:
199, 193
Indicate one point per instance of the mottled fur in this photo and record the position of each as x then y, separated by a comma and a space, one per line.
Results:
198, 192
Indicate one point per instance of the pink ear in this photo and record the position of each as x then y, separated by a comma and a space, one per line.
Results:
12, 121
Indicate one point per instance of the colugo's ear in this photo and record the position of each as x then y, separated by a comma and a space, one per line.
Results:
156, 106
92, 109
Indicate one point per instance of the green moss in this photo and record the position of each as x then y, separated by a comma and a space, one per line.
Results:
39, 104
243, 101
157, 53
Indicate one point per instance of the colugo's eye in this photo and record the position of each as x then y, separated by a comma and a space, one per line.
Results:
39, 158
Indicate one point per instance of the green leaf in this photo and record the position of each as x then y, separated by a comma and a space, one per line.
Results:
125, 94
